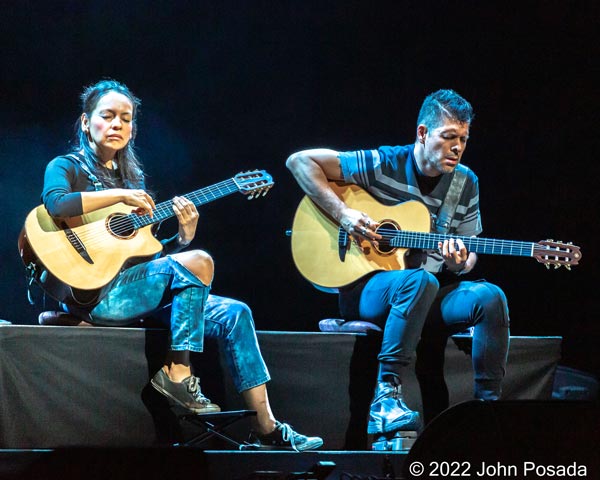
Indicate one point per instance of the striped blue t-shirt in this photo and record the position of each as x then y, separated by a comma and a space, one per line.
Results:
391, 175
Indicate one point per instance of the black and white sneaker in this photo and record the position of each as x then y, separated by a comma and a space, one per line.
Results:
284, 438
185, 393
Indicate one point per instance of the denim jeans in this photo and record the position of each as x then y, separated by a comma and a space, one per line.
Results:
165, 290
458, 307
230, 322
397, 301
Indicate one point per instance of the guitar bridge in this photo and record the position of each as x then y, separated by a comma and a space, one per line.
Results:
78, 245
343, 243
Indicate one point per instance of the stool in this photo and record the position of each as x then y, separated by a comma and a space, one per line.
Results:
61, 319
360, 326
351, 326
214, 425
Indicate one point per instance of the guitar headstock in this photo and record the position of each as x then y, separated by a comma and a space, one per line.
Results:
554, 253
254, 183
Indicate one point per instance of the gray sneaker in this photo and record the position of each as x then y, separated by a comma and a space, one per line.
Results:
284, 438
185, 393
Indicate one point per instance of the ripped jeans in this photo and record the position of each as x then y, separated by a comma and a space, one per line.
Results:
164, 289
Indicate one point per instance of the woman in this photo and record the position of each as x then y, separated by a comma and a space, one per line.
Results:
103, 171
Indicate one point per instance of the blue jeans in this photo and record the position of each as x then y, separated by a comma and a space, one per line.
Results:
230, 322
165, 290
397, 301
458, 307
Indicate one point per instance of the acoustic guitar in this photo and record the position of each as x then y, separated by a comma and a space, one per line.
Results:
326, 256
83, 254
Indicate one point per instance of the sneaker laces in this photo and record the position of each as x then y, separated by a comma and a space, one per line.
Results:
288, 434
194, 389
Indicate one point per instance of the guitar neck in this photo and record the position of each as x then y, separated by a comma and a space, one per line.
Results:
164, 210
429, 241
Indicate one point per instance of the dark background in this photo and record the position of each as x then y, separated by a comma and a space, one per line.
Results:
229, 86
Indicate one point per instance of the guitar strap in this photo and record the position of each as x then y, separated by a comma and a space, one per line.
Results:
448, 208
93, 178
31, 268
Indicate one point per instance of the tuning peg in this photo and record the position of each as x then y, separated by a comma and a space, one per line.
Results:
547, 265
567, 266
556, 266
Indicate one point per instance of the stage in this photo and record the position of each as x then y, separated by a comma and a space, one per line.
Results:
506, 439
70, 406
176, 463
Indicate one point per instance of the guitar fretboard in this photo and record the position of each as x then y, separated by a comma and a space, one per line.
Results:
429, 241
199, 197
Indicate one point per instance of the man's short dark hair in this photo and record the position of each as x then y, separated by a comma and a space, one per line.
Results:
444, 104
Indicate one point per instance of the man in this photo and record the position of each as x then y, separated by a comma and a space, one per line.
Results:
399, 301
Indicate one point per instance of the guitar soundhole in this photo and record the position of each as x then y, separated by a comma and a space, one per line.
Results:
120, 225
387, 229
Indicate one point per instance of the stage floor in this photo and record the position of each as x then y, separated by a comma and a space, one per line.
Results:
185, 463
66, 386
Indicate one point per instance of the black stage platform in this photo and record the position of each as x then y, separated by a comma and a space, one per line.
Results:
505, 440
87, 386
76, 399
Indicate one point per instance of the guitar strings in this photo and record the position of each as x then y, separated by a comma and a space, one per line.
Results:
126, 221
434, 238
165, 208
486, 245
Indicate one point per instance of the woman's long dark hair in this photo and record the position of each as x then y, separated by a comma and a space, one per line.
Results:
130, 167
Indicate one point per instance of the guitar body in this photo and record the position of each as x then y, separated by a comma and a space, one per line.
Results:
49, 245
72, 258
315, 246
328, 258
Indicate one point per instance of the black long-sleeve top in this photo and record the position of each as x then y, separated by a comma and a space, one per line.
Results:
65, 179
